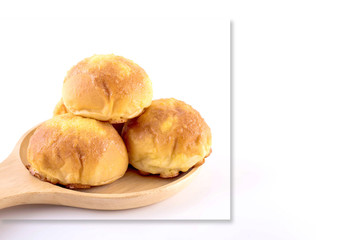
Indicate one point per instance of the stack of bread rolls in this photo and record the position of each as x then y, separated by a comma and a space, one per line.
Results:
106, 119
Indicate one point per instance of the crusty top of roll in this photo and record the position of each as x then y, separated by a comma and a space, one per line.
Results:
170, 136
108, 88
76, 151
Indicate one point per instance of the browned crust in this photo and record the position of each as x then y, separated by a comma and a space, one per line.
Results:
121, 121
60, 109
185, 131
188, 127
114, 75
198, 164
77, 186
118, 121
143, 173
107, 82
44, 179
168, 175
82, 142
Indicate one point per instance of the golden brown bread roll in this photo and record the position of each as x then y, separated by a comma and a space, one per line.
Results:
61, 109
169, 137
76, 152
107, 88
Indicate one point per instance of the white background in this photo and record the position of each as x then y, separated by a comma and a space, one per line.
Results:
296, 124
187, 59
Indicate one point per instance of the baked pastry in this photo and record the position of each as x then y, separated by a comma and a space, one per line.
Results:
60, 108
76, 152
107, 88
169, 137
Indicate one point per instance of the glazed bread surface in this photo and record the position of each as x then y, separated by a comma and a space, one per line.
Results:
168, 138
107, 88
76, 152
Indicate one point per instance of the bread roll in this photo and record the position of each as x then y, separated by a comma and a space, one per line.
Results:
107, 88
60, 108
168, 138
76, 152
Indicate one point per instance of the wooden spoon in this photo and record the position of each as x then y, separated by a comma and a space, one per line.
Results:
18, 186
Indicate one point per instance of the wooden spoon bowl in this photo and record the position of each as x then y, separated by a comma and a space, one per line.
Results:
18, 186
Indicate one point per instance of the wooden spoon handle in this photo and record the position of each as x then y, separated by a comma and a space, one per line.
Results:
16, 184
